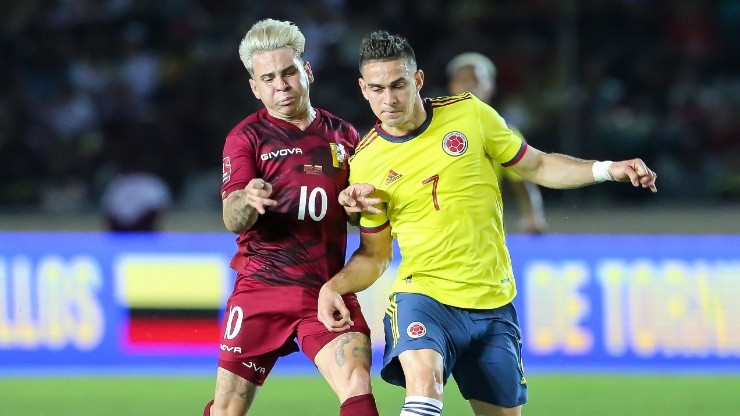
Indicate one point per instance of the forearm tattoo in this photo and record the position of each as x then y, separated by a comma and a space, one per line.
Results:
238, 215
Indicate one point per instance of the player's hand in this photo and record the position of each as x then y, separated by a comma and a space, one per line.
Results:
332, 312
635, 171
257, 193
356, 198
533, 224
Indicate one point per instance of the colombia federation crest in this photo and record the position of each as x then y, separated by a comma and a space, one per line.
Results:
455, 143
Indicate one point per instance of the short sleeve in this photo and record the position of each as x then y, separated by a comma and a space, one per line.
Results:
238, 163
501, 143
372, 223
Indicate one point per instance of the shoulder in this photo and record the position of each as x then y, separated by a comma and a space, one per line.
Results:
366, 141
247, 125
335, 122
454, 101
465, 106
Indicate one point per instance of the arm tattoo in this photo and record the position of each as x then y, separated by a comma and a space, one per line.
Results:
238, 215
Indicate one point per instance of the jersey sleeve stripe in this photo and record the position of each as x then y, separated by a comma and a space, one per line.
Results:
373, 230
518, 156
365, 142
443, 101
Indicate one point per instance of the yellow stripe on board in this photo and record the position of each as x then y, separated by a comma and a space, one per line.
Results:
171, 281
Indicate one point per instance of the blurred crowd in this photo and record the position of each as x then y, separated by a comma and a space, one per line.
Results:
95, 89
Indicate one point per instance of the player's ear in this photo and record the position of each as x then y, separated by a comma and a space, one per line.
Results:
419, 78
363, 87
253, 86
309, 71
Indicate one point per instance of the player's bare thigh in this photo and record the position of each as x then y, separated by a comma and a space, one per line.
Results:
345, 363
487, 409
234, 394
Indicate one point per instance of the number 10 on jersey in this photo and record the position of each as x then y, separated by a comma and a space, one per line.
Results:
309, 202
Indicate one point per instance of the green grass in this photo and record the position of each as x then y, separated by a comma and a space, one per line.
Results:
550, 395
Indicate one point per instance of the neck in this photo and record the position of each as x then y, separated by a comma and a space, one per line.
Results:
419, 115
301, 121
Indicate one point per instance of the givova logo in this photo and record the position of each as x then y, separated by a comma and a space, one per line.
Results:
281, 152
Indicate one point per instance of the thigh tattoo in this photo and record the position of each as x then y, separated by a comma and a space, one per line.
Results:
361, 351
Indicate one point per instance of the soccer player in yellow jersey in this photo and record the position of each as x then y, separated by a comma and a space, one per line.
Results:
475, 73
431, 162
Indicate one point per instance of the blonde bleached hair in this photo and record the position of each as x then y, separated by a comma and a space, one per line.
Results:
269, 35
478, 61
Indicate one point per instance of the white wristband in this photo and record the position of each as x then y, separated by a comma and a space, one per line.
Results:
600, 171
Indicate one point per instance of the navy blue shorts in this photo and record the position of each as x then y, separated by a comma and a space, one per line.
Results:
481, 348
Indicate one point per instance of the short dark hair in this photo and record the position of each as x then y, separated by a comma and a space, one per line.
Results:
382, 46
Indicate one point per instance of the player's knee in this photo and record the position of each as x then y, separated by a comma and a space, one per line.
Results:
423, 371
424, 380
360, 379
232, 407
354, 382
427, 384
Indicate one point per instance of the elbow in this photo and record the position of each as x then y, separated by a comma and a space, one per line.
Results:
231, 227
384, 261
238, 227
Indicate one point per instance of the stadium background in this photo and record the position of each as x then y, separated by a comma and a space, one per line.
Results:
93, 89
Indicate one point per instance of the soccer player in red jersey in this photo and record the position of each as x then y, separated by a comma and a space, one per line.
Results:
283, 169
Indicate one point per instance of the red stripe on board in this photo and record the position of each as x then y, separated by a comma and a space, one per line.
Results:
144, 331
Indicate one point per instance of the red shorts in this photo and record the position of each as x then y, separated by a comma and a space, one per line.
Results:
262, 322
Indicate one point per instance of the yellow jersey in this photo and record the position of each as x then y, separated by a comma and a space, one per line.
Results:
438, 185
508, 174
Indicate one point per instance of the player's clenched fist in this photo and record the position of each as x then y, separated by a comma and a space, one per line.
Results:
635, 171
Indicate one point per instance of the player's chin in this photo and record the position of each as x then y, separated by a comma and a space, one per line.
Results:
392, 119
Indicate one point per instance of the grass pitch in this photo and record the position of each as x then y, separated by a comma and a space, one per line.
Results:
550, 395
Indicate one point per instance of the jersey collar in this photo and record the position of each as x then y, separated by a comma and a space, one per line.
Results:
400, 139
290, 126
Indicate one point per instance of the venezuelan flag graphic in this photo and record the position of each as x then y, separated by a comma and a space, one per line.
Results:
173, 301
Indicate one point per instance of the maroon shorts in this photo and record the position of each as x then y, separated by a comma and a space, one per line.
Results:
262, 323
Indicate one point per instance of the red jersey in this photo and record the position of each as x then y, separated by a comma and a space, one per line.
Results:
302, 240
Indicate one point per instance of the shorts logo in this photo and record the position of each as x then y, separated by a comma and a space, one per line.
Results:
416, 330
455, 143
255, 367
228, 348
